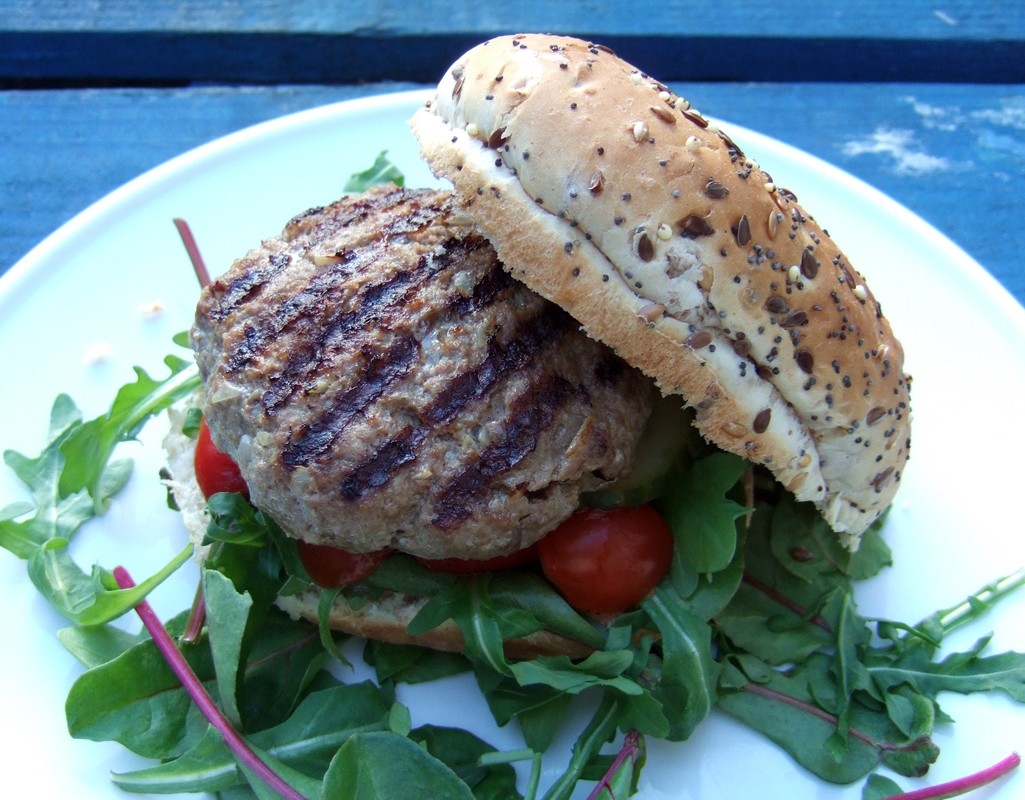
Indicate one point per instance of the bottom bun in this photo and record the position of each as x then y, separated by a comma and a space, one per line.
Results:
385, 617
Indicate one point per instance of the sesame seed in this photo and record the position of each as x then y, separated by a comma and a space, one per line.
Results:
640, 130
472, 129
693, 144
860, 291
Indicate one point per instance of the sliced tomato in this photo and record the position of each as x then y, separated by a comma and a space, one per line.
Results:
216, 471
332, 567
605, 562
468, 566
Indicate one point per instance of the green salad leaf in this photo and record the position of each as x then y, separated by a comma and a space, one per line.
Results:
381, 171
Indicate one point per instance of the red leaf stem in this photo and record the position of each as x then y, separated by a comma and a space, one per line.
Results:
190, 681
629, 751
785, 601
197, 618
185, 232
963, 785
808, 708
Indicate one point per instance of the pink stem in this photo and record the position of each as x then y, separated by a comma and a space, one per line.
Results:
962, 785
629, 750
197, 618
785, 601
185, 232
190, 681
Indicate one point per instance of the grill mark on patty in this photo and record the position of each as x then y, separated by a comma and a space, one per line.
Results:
246, 286
395, 212
543, 331
409, 214
532, 413
317, 341
323, 291
316, 438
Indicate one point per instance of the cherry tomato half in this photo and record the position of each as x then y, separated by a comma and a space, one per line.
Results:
607, 561
216, 471
332, 567
467, 566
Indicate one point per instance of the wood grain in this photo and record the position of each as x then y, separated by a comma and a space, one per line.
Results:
135, 42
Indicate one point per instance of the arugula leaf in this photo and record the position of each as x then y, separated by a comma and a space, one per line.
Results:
964, 673
468, 604
686, 686
55, 516
73, 480
89, 599
381, 171
572, 677
534, 595
701, 517
88, 446
852, 637
601, 728
411, 664
540, 709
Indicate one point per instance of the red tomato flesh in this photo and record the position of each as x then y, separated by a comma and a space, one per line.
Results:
332, 567
216, 471
607, 561
469, 566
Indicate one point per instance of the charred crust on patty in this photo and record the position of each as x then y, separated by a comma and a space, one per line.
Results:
382, 381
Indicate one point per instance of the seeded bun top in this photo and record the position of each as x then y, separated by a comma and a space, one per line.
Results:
608, 194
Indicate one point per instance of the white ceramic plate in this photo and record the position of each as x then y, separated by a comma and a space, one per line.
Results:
76, 315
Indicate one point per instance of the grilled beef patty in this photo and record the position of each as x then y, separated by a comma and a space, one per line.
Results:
382, 382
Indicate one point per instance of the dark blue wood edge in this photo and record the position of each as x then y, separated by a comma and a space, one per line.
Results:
155, 58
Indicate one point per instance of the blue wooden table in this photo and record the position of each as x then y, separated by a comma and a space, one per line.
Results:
925, 102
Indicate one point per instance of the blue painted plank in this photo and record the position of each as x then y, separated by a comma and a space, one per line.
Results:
955, 155
910, 19
44, 59
135, 42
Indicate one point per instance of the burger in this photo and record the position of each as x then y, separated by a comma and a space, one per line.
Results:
450, 375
